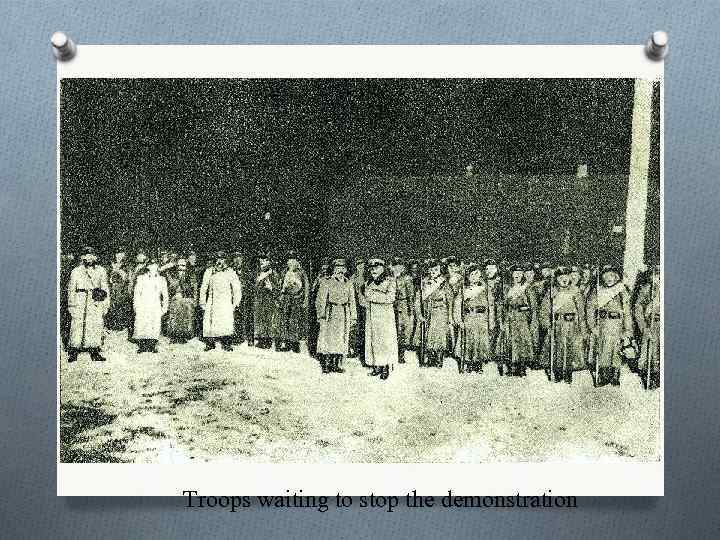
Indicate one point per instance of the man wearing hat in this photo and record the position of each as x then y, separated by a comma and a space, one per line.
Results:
494, 283
455, 280
434, 316
267, 291
357, 338
293, 305
336, 315
404, 307
521, 323
313, 327
67, 264
118, 315
220, 294
183, 293
647, 317
381, 344
609, 316
562, 315
135, 271
150, 303
88, 302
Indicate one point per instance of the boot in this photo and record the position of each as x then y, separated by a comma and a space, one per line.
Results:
97, 357
439, 363
296, 347
226, 344
384, 372
324, 364
501, 369
336, 364
615, 377
72, 356
548, 374
209, 345
460, 366
401, 356
568, 376
375, 372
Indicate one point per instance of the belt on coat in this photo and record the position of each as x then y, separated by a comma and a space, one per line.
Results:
519, 308
605, 314
478, 309
338, 303
657, 317
565, 316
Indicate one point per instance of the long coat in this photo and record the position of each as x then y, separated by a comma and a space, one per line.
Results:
87, 324
405, 310
118, 315
183, 289
220, 294
336, 313
475, 309
562, 316
381, 345
647, 318
150, 301
435, 302
267, 290
609, 316
520, 325
293, 306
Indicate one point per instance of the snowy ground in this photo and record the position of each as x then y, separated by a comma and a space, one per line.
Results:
184, 404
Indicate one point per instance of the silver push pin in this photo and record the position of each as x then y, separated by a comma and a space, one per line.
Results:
657, 45
63, 47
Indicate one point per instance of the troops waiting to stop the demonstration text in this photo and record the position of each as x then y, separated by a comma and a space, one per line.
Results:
557, 318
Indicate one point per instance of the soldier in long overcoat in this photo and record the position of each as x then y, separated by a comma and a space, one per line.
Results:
183, 291
313, 326
434, 316
647, 317
293, 306
336, 315
381, 344
150, 303
120, 312
88, 302
220, 294
67, 263
609, 317
562, 315
267, 290
474, 313
404, 307
137, 269
357, 336
520, 323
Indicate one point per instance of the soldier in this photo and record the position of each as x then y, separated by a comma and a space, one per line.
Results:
434, 311
88, 302
585, 280
575, 276
238, 266
381, 344
293, 306
610, 320
474, 311
150, 302
194, 269
404, 307
357, 339
494, 283
521, 323
119, 313
220, 294
267, 291
455, 280
183, 293
336, 315
137, 269
647, 318
313, 327
562, 315
67, 263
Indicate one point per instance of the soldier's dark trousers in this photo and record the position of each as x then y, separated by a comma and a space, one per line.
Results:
94, 354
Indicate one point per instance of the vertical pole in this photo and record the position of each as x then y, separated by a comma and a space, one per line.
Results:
636, 208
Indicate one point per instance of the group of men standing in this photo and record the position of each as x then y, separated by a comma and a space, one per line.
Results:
560, 318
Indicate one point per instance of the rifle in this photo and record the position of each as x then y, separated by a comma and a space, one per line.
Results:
552, 330
591, 352
421, 352
648, 358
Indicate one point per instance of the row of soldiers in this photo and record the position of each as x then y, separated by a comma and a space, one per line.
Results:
557, 318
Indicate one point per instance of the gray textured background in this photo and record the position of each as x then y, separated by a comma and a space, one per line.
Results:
28, 505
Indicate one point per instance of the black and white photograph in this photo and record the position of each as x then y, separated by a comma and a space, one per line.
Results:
359, 270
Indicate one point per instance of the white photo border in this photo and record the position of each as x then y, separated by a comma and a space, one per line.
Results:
578, 478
